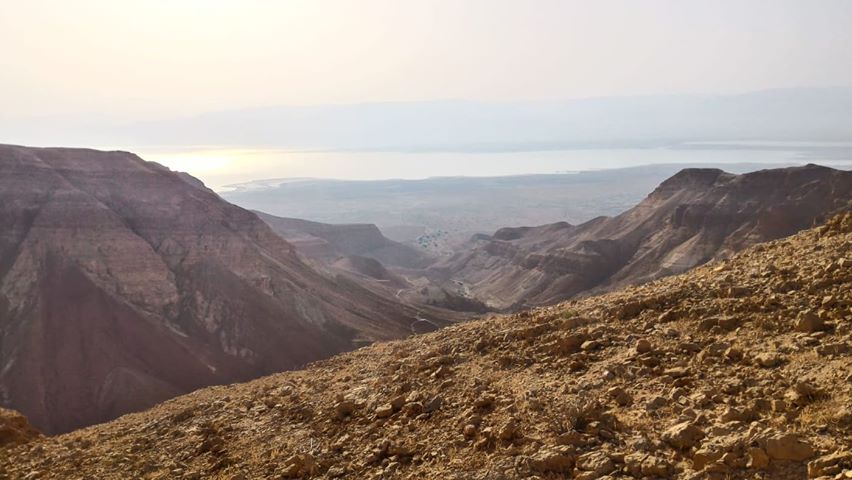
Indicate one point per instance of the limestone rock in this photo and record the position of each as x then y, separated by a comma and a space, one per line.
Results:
15, 429
683, 436
559, 459
789, 446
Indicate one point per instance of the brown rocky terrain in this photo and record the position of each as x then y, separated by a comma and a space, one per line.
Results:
693, 217
15, 429
123, 284
738, 369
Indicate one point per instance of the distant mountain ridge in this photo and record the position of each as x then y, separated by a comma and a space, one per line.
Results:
693, 217
334, 241
465, 125
123, 284
361, 254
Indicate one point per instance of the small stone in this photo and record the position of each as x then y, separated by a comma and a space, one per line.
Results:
643, 346
809, 322
757, 459
789, 447
731, 414
620, 396
676, 372
643, 465
412, 409
830, 464
553, 459
344, 409
707, 324
398, 402
433, 404
683, 436
733, 354
571, 438
509, 431
597, 462
656, 403
484, 401
384, 411
299, 465
768, 360
705, 456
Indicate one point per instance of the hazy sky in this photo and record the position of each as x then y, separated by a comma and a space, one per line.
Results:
156, 57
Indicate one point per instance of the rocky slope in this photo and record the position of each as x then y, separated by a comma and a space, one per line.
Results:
123, 284
695, 216
737, 369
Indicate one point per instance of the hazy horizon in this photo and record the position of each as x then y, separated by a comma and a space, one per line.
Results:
258, 167
448, 87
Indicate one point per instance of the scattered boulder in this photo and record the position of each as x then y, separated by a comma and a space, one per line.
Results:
683, 436
758, 459
509, 431
344, 408
645, 465
643, 346
620, 396
789, 446
300, 465
803, 393
15, 429
384, 411
704, 456
484, 401
433, 404
597, 462
769, 360
656, 403
832, 464
808, 321
558, 459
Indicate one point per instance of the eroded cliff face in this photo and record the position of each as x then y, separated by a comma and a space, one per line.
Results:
328, 243
123, 284
695, 216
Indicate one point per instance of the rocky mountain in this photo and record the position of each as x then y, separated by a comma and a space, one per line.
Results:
123, 284
361, 254
693, 217
739, 369
328, 243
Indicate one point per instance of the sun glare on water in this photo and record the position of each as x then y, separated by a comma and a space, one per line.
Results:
197, 161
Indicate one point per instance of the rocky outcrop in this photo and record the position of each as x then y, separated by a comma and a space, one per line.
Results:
664, 380
696, 216
15, 429
123, 284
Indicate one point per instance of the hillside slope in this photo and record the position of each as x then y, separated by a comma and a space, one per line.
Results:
123, 284
738, 369
693, 217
